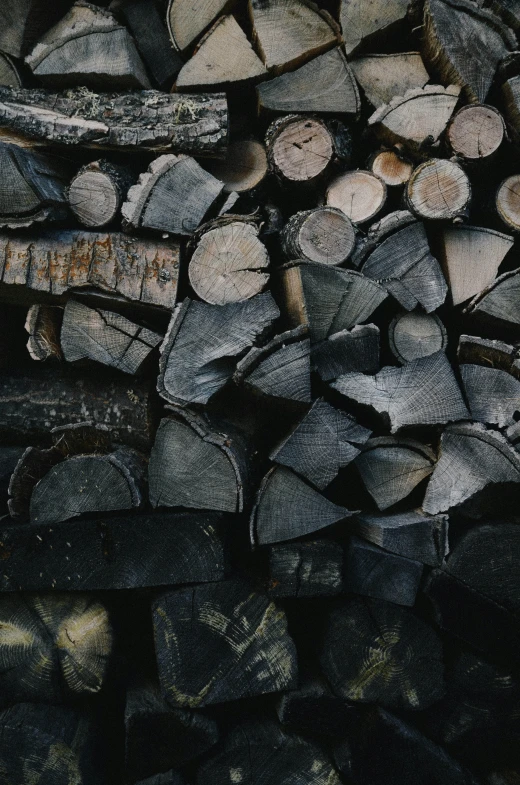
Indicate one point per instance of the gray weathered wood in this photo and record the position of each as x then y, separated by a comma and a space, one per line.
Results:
347, 350
382, 77
507, 202
373, 572
500, 301
416, 334
412, 534
476, 132
324, 235
24, 21
362, 26
313, 568
97, 193
9, 74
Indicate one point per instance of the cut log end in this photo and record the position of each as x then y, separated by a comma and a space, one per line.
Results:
359, 194
508, 202
476, 132
439, 190
243, 168
324, 235
299, 148
391, 168
413, 335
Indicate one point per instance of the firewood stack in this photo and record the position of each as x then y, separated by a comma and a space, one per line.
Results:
260, 392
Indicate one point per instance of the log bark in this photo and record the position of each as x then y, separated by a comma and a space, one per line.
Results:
306, 569
359, 194
415, 335
383, 77
243, 169
97, 192
364, 27
417, 536
476, 132
256, 654
439, 190
324, 235
43, 324
299, 149
391, 168
347, 350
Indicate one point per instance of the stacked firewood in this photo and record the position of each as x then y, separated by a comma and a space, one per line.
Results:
260, 392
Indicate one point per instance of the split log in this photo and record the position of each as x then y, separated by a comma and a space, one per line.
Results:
439, 190
394, 658
362, 26
493, 395
204, 342
223, 57
121, 552
470, 459
229, 263
507, 202
488, 353
33, 187
287, 508
373, 572
313, 706
416, 118
287, 33
499, 302
320, 444
306, 569
347, 350
256, 654
415, 335
399, 257
391, 468
382, 77
299, 149
173, 195
358, 194
378, 231
511, 99
243, 168
159, 738
24, 21
328, 299
268, 756
188, 20
79, 50
106, 337
43, 324
323, 234
476, 132
9, 74
446, 24
325, 85
96, 194
417, 536
471, 256
192, 464
136, 121
126, 267
280, 369
391, 168
422, 392
53, 648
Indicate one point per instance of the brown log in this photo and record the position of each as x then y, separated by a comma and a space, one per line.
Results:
391, 168
439, 190
43, 324
476, 132
299, 149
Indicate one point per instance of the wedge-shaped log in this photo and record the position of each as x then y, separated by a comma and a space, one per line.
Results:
362, 26
493, 395
204, 342
476, 132
24, 21
347, 350
106, 337
422, 392
391, 468
79, 50
411, 534
439, 190
288, 508
97, 192
325, 85
378, 231
447, 23
321, 443
382, 77
313, 568
197, 463
53, 647
374, 572
146, 120
395, 659
416, 334
188, 20
499, 303
128, 552
324, 235
470, 459
507, 202
256, 654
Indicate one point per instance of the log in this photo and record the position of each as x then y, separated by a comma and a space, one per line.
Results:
363, 27
422, 392
476, 132
229, 263
511, 100
188, 20
488, 353
135, 121
173, 195
378, 231
287, 33
300, 149
439, 190
97, 192
33, 188
394, 658
325, 85
507, 202
56, 262
197, 463
417, 118
446, 24
470, 459
287, 508
223, 57
417, 536
55, 647
320, 444
122, 552
347, 350
43, 324
198, 355
382, 76
392, 467
313, 706
243, 169
414, 335
9, 457
498, 302
306, 569
9, 74
359, 194
24, 21
256, 654
159, 738
79, 51
327, 299
391, 168
493, 395
324, 235
105, 337
373, 572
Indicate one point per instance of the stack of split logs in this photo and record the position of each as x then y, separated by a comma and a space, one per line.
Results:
260, 392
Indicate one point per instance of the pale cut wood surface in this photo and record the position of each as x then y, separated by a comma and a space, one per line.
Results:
391, 168
98, 191
416, 334
384, 76
476, 132
500, 301
360, 20
299, 148
359, 194
508, 202
243, 168
187, 19
324, 235
439, 190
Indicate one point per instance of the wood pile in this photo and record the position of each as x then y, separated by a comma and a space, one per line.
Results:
260, 392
